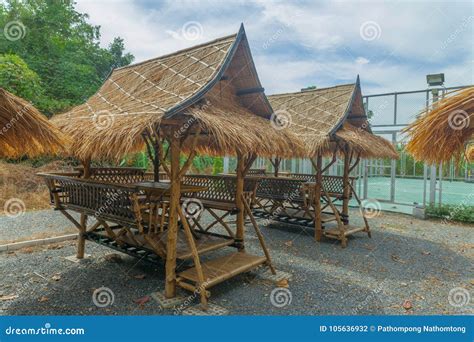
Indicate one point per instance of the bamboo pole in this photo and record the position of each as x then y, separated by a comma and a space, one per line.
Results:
239, 191
317, 199
259, 235
81, 239
197, 262
156, 162
170, 285
276, 165
346, 190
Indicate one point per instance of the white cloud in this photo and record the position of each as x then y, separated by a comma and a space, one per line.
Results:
362, 60
296, 44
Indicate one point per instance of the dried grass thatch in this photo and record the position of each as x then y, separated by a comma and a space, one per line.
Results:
214, 86
24, 130
366, 144
323, 116
470, 153
442, 130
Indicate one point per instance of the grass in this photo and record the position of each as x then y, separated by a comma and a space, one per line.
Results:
19, 181
458, 213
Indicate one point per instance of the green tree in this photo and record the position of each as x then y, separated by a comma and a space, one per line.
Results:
116, 49
60, 45
18, 78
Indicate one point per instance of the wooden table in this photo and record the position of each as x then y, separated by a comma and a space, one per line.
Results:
163, 188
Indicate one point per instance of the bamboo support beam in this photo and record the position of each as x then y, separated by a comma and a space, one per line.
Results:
174, 209
197, 262
366, 222
317, 199
161, 157
170, 285
276, 165
244, 162
259, 234
346, 185
240, 229
81, 239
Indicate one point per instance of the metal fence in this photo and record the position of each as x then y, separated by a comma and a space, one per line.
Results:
402, 182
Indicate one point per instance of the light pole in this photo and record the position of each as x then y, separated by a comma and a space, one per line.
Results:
434, 80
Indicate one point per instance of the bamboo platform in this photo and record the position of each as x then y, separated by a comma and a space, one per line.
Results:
294, 216
204, 242
220, 269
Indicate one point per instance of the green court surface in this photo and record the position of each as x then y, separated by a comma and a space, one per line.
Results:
409, 191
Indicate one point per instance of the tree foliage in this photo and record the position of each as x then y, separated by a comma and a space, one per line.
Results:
61, 47
18, 78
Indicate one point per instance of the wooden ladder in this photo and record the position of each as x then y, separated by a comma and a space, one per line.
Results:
202, 276
342, 231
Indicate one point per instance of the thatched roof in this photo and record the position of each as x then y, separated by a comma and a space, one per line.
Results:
213, 85
470, 153
320, 117
443, 129
24, 131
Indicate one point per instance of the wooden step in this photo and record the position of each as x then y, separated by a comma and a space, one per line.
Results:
348, 230
327, 218
218, 270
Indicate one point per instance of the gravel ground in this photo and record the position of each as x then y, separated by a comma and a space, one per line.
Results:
406, 260
47, 223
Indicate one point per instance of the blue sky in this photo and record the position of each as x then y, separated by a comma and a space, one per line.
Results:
391, 44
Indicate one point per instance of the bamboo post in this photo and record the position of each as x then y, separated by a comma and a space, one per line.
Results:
197, 262
259, 235
170, 286
317, 199
81, 239
346, 190
156, 162
153, 148
277, 166
239, 191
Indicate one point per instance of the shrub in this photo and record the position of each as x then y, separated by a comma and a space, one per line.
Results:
460, 213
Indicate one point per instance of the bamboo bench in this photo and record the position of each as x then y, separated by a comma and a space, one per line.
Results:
219, 196
127, 218
291, 199
119, 175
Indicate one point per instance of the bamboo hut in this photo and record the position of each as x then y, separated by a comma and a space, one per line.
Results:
205, 99
444, 129
329, 121
24, 131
